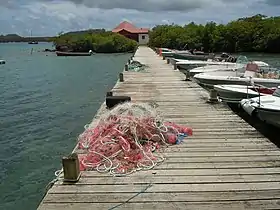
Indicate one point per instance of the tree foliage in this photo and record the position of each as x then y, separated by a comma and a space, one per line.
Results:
98, 41
251, 34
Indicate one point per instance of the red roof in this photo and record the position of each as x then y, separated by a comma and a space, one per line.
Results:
130, 28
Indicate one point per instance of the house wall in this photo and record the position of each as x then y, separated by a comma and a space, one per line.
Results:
129, 35
143, 38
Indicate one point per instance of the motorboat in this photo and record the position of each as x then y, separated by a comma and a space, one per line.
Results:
235, 93
265, 76
212, 68
60, 53
190, 69
266, 108
186, 54
2, 62
237, 67
210, 65
186, 65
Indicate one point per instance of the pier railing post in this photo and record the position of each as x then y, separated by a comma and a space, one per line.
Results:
126, 67
168, 61
213, 96
110, 93
175, 66
121, 77
71, 168
188, 76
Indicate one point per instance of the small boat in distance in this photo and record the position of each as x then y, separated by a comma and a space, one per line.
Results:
60, 53
33, 42
2, 61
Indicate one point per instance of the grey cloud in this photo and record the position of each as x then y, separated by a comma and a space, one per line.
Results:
273, 2
143, 5
140, 5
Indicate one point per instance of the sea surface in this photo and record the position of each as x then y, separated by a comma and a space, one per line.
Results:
45, 101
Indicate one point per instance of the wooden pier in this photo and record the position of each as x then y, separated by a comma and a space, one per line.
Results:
226, 164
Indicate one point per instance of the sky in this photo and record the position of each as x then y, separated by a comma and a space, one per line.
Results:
49, 17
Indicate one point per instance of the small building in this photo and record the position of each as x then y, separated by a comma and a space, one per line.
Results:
140, 35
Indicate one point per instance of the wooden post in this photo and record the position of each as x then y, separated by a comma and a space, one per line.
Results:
163, 57
71, 168
126, 67
121, 77
188, 76
128, 62
213, 97
110, 93
168, 61
175, 66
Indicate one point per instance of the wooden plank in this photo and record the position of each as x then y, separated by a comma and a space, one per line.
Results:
196, 172
132, 188
255, 178
240, 205
165, 197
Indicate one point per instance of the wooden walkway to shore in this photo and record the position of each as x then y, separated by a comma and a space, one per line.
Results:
226, 164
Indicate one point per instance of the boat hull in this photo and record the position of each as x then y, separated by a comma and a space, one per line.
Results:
72, 54
208, 82
267, 111
269, 116
234, 94
190, 56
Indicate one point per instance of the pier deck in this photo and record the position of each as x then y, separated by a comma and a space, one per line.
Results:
226, 164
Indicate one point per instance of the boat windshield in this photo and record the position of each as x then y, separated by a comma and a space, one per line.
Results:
242, 59
277, 92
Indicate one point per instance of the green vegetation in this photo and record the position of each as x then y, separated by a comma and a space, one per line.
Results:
98, 40
251, 34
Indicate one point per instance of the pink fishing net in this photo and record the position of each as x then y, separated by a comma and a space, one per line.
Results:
127, 139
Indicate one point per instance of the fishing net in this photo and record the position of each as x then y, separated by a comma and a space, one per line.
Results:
128, 138
136, 66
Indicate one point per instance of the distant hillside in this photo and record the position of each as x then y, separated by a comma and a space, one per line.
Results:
93, 31
17, 38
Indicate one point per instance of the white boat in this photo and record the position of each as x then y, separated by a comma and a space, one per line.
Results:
240, 67
2, 62
191, 68
260, 76
213, 68
235, 93
266, 108
186, 65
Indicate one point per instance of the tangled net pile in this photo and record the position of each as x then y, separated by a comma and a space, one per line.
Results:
125, 140
136, 66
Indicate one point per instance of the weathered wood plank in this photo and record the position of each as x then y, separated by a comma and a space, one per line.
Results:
240, 205
181, 179
165, 197
132, 188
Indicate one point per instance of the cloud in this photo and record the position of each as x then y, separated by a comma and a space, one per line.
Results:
46, 17
273, 2
149, 5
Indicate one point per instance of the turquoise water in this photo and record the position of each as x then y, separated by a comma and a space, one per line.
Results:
45, 102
